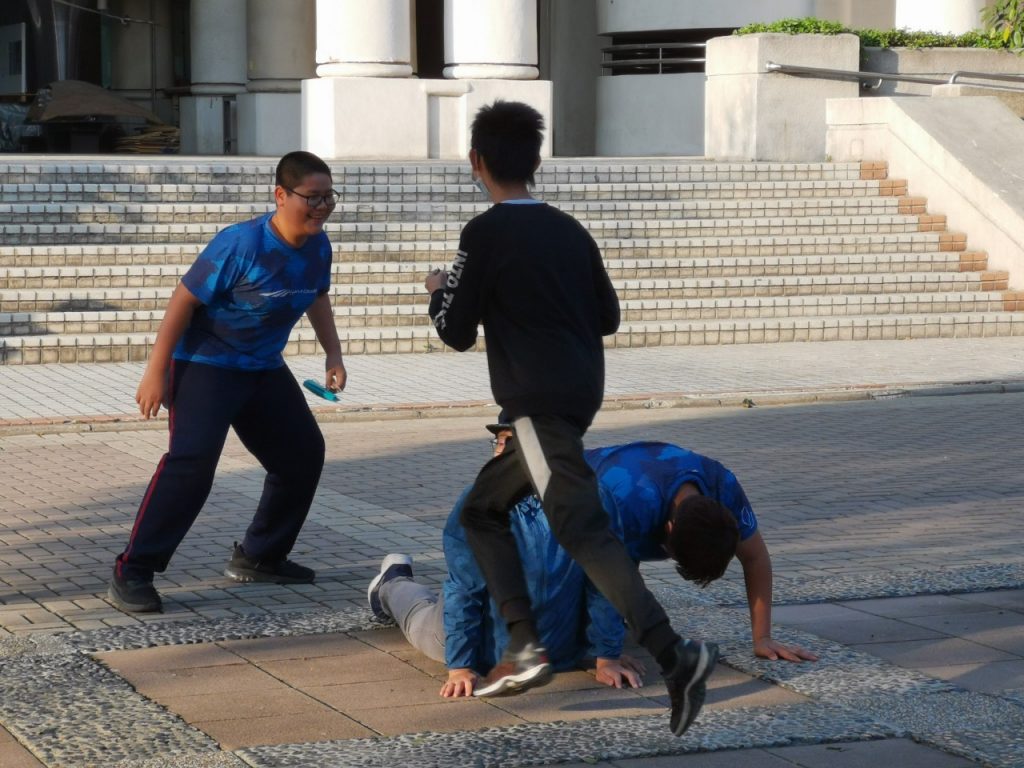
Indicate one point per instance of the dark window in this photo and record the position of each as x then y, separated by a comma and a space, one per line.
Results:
661, 52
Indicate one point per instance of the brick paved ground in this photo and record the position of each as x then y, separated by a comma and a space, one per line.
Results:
857, 500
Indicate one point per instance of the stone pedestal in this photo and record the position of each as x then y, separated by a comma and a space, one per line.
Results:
397, 118
753, 114
281, 41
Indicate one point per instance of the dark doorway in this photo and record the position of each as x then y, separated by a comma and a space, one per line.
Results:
429, 32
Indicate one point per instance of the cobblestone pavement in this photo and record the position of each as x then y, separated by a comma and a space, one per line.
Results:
866, 505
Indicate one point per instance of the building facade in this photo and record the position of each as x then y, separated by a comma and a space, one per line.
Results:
402, 78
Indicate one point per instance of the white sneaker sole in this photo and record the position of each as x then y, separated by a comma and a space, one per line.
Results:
534, 677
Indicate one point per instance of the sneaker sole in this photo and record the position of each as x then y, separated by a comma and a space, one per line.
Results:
249, 577
133, 607
534, 677
705, 665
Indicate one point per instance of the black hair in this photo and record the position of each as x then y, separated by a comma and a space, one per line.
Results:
508, 136
703, 539
295, 166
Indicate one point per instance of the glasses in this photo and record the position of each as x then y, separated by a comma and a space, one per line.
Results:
496, 441
330, 199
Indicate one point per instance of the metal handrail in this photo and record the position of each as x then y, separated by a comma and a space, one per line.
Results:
866, 77
985, 76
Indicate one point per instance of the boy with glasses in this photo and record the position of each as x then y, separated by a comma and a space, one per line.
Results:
217, 364
533, 276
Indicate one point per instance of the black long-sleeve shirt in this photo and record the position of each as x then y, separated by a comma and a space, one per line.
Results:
534, 278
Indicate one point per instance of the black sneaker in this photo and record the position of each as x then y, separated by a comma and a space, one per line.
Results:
695, 662
391, 567
245, 569
134, 595
516, 672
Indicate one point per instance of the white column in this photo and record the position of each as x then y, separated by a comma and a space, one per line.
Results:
281, 40
490, 39
131, 59
218, 57
363, 38
944, 16
218, 46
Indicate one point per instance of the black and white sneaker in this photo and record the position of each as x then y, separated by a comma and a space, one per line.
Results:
391, 567
686, 681
245, 569
517, 671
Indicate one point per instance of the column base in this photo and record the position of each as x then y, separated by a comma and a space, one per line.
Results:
406, 119
202, 125
491, 72
268, 123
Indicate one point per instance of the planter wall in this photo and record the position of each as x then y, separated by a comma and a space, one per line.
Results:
752, 114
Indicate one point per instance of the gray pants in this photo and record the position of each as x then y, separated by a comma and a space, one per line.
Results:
419, 613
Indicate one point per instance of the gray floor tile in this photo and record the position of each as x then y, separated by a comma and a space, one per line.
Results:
747, 758
920, 605
1001, 629
914, 654
889, 753
992, 677
1000, 598
869, 629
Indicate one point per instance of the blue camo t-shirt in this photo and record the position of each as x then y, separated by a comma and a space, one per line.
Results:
638, 481
254, 288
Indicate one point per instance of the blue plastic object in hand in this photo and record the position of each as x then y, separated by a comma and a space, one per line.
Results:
319, 389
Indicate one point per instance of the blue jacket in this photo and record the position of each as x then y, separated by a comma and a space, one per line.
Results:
637, 483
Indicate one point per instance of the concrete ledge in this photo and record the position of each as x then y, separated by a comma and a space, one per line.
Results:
962, 153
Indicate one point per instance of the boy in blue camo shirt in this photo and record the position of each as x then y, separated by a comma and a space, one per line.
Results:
217, 364
663, 501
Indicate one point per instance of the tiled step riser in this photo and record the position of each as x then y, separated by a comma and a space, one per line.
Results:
50, 278
222, 215
24, 324
202, 233
551, 172
706, 255
464, 194
377, 296
693, 334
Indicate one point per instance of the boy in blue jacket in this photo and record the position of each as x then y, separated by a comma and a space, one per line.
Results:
662, 501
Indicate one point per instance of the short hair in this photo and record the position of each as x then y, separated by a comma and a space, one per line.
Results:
508, 136
295, 166
703, 538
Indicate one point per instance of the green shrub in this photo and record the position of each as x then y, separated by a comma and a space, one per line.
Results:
1004, 21
807, 26
903, 38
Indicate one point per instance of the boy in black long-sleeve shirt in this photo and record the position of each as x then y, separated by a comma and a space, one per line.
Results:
534, 278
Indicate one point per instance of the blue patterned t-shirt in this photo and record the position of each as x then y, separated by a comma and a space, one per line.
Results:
254, 288
638, 482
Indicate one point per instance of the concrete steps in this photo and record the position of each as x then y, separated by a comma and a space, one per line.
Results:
416, 231
700, 253
992, 284
167, 271
134, 347
647, 210
389, 315
458, 192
